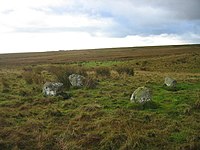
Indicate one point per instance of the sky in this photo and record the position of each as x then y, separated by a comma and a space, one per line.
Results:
50, 25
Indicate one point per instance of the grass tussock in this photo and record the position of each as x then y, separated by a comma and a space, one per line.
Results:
32, 77
125, 70
103, 71
90, 83
62, 74
5, 85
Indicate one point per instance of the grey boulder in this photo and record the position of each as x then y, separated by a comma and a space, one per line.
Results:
170, 82
141, 95
52, 88
76, 80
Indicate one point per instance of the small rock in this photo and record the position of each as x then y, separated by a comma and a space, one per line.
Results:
170, 82
76, 80
141, 95
52, 88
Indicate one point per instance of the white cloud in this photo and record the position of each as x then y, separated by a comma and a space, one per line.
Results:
30, 42
21, 4
36, 15
41, 25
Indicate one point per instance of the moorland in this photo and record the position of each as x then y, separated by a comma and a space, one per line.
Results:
99, 115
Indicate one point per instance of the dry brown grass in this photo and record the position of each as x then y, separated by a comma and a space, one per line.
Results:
100, 116
95, 55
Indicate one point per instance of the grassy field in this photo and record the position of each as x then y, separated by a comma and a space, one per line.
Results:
100, 115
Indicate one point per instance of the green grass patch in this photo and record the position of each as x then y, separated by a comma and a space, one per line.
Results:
100, 114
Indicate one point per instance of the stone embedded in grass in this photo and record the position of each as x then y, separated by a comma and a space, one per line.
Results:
170, 82
52, 88
76, 80
141, 95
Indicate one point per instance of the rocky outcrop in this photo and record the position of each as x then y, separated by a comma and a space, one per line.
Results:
76, 80
52, 88
170, 82
141, 95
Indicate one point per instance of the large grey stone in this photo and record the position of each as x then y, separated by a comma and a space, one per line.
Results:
76, 80
52, 88
141, 95
170, 82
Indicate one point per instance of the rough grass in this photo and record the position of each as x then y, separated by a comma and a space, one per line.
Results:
100, 116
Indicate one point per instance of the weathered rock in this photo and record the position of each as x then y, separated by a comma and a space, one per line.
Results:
76, 80
52, 88
141, 95
170, 82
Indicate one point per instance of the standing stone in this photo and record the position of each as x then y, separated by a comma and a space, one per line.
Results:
170, 82
52, 89
76, 80
141, 95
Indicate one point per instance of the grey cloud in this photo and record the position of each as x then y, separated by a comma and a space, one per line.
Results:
133, 17
182, 9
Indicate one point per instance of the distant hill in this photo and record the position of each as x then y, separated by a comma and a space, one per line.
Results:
70, 56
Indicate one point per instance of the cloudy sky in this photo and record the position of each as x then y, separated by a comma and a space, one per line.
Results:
42, 25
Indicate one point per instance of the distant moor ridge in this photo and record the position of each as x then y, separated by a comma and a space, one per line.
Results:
72, 56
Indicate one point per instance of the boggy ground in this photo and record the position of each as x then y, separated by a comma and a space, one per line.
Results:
100, 115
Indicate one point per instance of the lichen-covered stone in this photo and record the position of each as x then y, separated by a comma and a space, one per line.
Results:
170, 82
52, 88
76, 80
141, 95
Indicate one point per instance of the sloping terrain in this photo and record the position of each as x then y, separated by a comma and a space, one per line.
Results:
100, 115
95, 55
